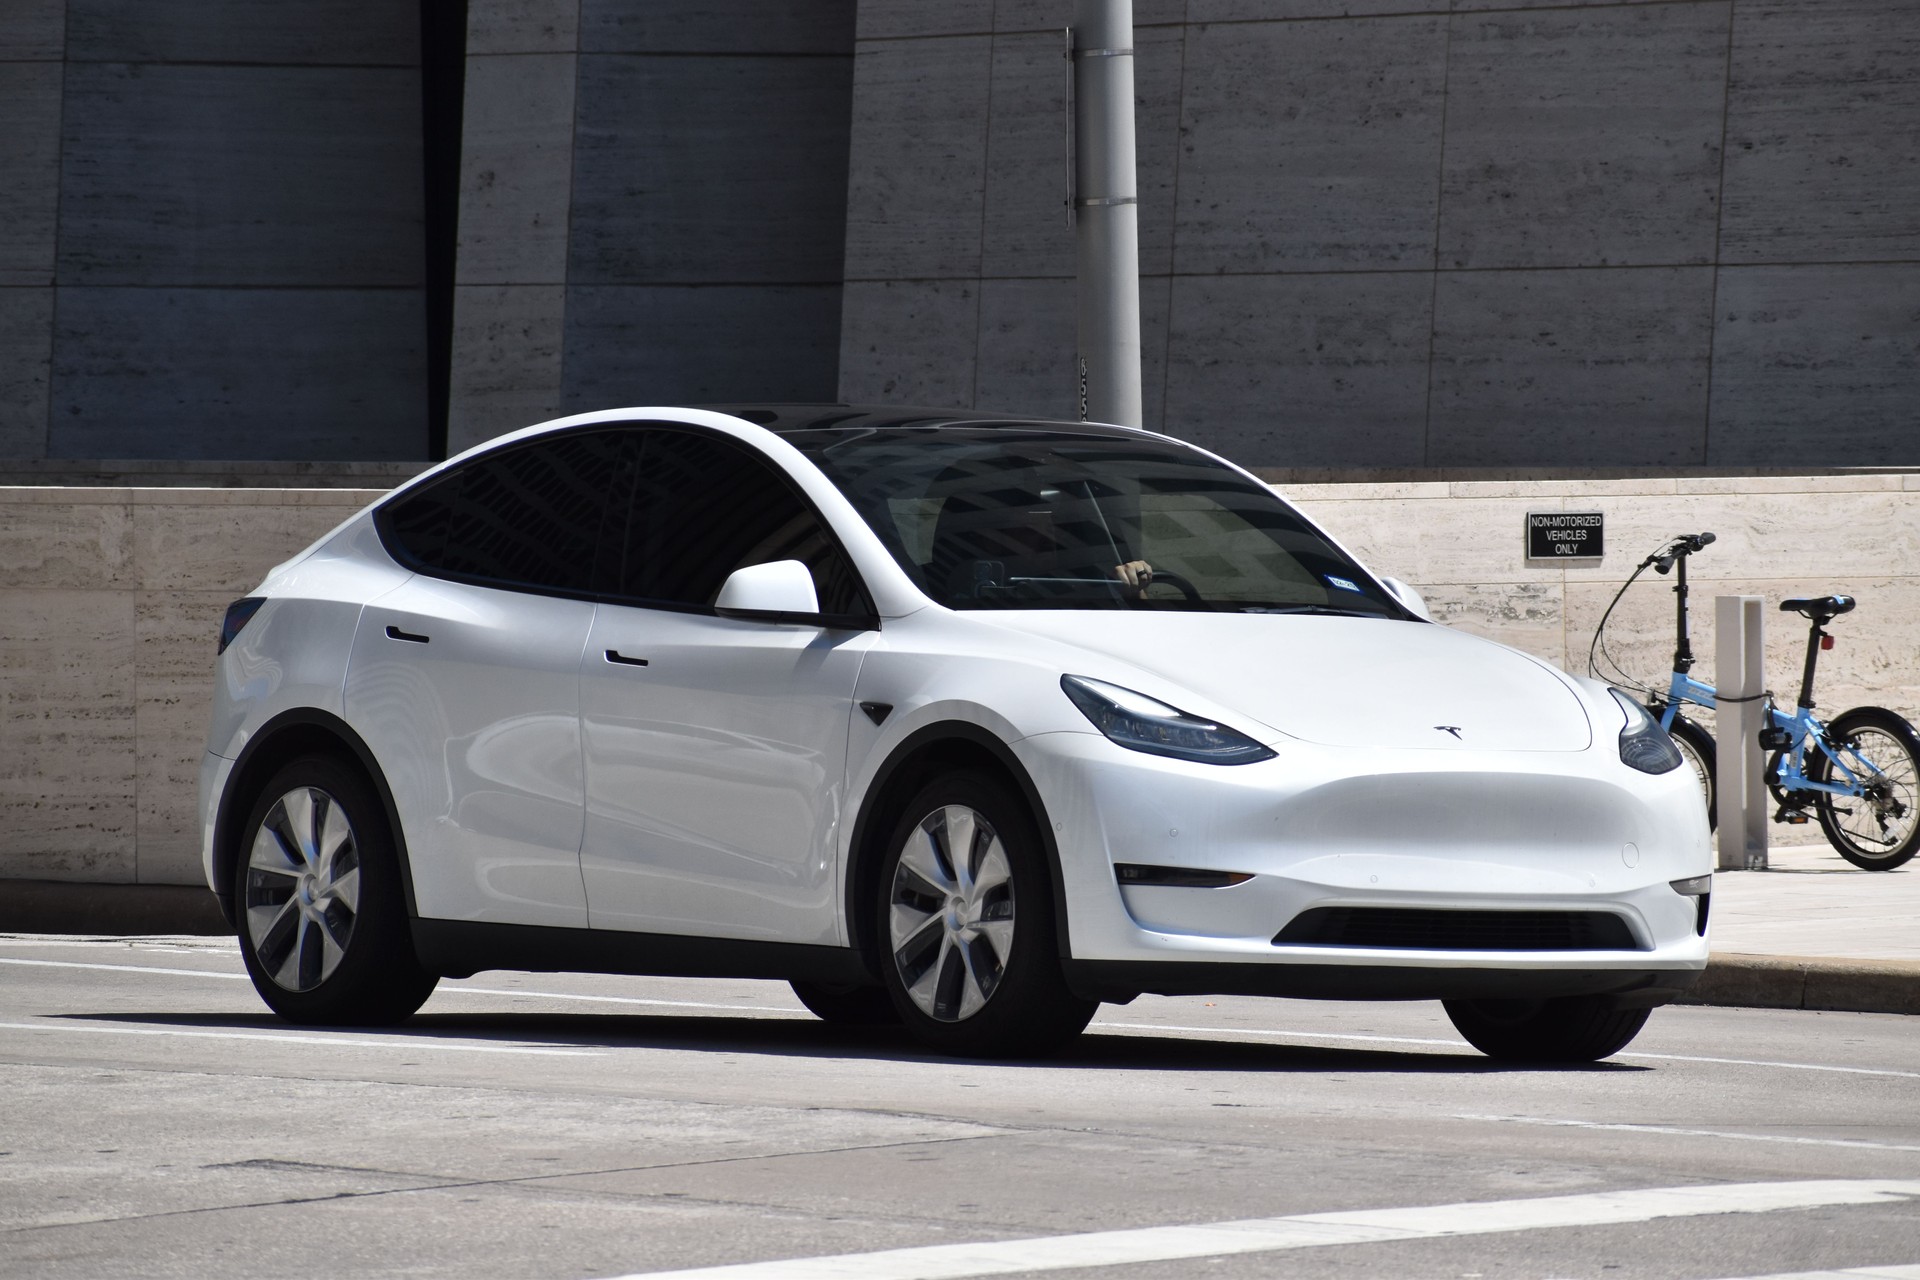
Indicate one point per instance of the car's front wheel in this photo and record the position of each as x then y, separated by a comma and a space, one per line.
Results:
966, 920
322, 915
1564, 1029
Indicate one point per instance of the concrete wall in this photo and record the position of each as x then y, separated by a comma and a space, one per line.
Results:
210, 230
652, 206
110, 602
1490, 233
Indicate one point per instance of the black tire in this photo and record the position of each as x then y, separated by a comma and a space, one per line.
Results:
319, 906
847, 1006
967, 945
1697, 749
1565, 1029
1881, 830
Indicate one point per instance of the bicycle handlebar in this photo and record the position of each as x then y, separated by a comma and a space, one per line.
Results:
1681, 547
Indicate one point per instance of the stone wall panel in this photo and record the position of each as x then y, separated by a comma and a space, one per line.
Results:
516, 174
898, 343
35, 30
678, 177
29, 170
522, 26
26, 353
1569, 369
1584, 137
741, 26
508, 342
314, 32
246, 373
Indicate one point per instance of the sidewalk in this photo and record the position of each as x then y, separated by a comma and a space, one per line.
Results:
1815, 932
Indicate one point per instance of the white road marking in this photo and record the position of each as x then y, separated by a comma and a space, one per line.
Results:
124, 968
1305, 1231
1674, 1131
673, 1004
413, 1044
1286, 1034
1909, 1271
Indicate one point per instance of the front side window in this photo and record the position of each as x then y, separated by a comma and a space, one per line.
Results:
1029, 518
704, 506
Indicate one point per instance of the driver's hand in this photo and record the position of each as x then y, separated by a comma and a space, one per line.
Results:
1137, 574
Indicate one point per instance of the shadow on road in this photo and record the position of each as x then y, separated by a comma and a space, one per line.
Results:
1099, 1049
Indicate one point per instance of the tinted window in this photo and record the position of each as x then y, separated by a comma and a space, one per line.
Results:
1027, 518
527, 516
704, 506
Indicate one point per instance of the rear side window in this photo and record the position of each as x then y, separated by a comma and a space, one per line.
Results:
704, 506
527, 517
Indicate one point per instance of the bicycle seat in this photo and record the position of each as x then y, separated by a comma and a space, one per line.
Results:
1821, 609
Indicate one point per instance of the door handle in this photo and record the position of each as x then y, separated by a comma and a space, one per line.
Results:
614, 655
395, 633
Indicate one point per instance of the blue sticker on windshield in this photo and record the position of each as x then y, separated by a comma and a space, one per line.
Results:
1341, 583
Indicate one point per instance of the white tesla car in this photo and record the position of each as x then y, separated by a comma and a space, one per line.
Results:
965, 722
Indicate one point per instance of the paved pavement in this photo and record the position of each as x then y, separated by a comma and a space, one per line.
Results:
1815, 932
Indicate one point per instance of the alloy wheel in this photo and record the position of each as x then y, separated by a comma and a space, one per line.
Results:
302, 888
951, 913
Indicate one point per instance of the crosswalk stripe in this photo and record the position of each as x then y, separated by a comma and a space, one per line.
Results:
1304, 1231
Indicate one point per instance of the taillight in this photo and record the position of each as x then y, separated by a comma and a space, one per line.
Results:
238, 614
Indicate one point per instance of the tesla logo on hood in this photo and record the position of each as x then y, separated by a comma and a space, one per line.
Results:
1453, 729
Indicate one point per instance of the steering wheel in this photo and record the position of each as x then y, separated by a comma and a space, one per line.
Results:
1177, 582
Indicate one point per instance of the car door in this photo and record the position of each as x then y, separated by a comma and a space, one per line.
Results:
464, 680
716, 747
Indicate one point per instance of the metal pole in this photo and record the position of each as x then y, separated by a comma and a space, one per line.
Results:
1739, 678
1107, 230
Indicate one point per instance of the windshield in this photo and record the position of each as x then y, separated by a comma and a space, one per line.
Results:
1029, 518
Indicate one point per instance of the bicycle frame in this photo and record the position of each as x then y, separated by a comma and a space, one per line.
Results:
1801, 729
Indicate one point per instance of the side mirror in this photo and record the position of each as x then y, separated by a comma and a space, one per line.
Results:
779, 591
1407, 596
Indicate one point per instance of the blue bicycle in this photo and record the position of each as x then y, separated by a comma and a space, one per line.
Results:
1859, 773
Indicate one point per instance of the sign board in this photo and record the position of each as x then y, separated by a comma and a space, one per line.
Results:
1565, 535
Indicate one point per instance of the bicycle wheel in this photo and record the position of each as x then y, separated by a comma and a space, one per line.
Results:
1880, 830
1696, 748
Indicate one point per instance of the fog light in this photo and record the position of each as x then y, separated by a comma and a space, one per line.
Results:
1181, 877
1693, 886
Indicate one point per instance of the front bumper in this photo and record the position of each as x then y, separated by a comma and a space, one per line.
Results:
1352, 827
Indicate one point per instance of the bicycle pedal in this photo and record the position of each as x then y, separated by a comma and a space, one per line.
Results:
1792, 817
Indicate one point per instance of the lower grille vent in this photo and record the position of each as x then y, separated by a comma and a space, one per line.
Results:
1407, 929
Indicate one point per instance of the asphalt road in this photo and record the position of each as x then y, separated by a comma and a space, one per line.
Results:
155, 1120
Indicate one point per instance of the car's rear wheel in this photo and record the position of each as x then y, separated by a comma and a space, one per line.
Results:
846, 1005
965, 918
1564, 1029
322, 915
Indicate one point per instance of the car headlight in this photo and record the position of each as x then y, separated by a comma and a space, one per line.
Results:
1146, 724
1644, 745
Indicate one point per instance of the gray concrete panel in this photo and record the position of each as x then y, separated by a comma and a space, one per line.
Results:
741, 26
894, 19
1817, 365
516, 173
909, 342
1199, 11
239, 373
1584, 137
1311, 146
1301, 370
1571, 368
1027, 345
200, 175
1823, 133
34, 29
29, 170
26, 344
918, 164
522, 26
710, 170
329, 32
1466, 6
508, 342
636, 344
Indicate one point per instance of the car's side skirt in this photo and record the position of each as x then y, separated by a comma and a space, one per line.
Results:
460, 948
1121, 980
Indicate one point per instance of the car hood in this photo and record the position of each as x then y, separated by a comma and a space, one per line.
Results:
1347, 682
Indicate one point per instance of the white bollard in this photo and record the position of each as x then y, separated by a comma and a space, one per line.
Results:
1740, 677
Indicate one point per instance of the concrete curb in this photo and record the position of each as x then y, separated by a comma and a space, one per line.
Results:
1732, 980
1803, 982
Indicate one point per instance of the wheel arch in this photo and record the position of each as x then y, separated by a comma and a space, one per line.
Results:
924, 754
301, 731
